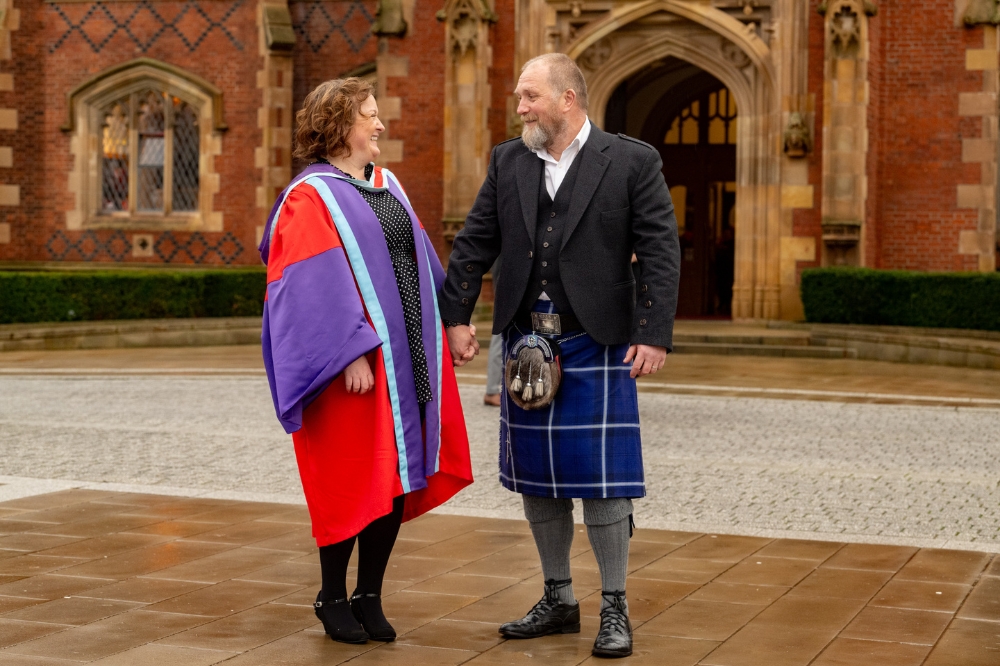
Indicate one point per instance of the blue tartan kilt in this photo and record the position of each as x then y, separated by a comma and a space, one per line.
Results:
586, 442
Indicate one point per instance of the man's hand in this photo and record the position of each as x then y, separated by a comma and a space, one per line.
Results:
647, 359
358, 376
463, 344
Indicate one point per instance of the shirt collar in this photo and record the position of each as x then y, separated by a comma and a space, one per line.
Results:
575, 146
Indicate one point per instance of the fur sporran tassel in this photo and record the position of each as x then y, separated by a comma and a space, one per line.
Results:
516, 384
539, 385
528, 391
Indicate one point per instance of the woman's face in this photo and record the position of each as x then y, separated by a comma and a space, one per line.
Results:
363, 138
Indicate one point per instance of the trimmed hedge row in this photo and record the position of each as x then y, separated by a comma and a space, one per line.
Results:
87, 296
902, 298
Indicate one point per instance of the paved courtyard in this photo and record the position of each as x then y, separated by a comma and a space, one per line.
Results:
125, 579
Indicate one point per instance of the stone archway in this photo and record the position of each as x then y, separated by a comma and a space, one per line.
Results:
614, 45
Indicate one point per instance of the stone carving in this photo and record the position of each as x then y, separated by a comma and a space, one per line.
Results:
867, 6
389, 19
463, 19
798, 141
748, 6
597, 54
735, 54
845, 32
982, 11
576, 8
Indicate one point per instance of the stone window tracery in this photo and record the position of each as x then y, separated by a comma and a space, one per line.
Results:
144, 136
149, 155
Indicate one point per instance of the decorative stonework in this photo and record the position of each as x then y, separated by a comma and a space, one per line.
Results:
389, 20
845, 131
275, 116
10, 195
798, 139
84, 124
982, 12
982, 241
467, 99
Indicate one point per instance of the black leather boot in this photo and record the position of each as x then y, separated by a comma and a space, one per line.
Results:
549, 616
615, 636
367, 610
339, 622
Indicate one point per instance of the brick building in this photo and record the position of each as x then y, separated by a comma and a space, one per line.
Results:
794, 133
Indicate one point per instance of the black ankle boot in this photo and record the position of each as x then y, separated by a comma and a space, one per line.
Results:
615, 636
339, 622
367, 610
549, 616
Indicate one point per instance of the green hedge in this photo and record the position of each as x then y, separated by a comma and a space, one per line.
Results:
902, 298
127, 294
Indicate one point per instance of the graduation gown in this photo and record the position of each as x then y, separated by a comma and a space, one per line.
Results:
331, 298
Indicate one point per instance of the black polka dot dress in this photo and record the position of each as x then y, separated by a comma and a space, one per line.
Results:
398, 230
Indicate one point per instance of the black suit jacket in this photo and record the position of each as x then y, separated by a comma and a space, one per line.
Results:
620, 204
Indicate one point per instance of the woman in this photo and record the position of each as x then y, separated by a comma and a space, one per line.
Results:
354, 347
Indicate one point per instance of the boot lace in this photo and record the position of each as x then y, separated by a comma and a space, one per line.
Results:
613, 617
551, 598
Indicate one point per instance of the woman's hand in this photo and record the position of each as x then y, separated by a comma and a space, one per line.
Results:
358, 376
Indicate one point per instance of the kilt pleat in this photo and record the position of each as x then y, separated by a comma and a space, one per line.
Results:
586, 443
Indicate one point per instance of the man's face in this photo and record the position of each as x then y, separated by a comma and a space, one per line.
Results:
538, 106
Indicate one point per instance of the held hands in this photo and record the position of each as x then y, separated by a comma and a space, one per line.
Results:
647, 359
358, 376
463, 344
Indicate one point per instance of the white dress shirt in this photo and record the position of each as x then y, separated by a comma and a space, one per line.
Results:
556, 170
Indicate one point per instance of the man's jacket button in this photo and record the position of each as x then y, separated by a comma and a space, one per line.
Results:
642, 322
469, 268
649, 304
465, 301
465, 285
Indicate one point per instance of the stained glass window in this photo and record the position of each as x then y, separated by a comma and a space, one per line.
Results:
150, 154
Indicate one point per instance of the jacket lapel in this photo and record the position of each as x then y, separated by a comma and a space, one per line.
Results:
529, 176
592, 169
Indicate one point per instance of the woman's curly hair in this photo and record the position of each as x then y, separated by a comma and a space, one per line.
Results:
327, 115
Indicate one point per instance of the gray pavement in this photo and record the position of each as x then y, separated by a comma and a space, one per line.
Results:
920, 475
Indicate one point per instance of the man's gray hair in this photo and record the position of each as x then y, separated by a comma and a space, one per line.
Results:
564, 74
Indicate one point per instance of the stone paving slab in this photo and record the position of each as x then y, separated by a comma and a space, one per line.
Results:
106, 578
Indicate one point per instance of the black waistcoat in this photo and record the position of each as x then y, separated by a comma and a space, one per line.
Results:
548, 239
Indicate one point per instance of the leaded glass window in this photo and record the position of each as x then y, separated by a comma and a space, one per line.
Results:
149, 154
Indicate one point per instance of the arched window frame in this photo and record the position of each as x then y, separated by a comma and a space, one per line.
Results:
85, 104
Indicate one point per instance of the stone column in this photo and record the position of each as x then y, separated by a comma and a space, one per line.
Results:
845, 130
275, 115
467, 100
981, 242
10, 195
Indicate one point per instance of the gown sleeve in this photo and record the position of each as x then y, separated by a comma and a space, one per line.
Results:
315, 323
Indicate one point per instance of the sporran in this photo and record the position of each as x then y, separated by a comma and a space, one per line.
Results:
533, 372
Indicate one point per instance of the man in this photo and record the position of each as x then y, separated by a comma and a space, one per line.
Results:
567, 204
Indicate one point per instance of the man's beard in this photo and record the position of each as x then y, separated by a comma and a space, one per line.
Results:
540, 136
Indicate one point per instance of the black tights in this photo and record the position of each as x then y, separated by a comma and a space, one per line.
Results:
375, 544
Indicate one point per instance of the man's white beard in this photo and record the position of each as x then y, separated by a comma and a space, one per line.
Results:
540, 136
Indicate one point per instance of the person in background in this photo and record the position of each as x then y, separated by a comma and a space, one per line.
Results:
358, 364
494, 361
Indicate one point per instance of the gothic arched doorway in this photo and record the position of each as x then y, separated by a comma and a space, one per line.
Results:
690, 117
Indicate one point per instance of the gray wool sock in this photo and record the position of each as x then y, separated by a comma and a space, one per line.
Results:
610, 544
554, 538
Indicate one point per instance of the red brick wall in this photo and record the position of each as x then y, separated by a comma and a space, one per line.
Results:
63, 45
503, 78
921, 71
27, 238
